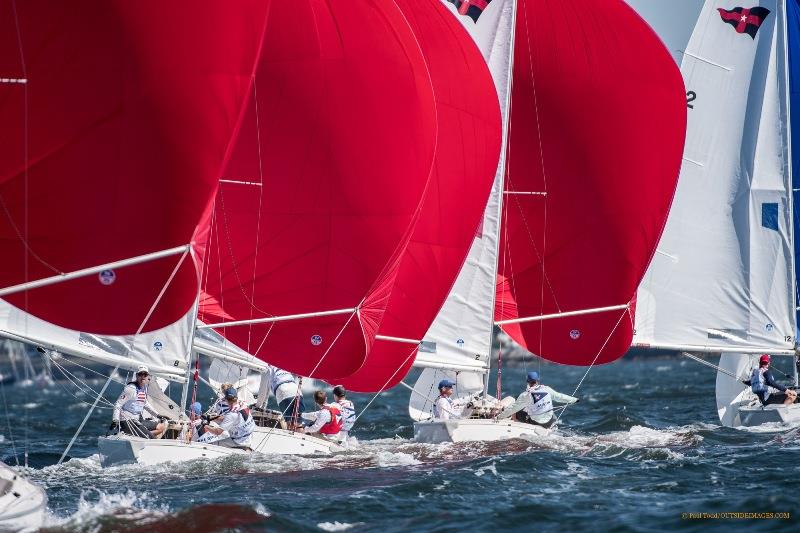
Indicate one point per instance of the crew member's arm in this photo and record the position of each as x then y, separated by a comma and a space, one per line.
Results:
128, 393
561, 398
770, 380
523, 401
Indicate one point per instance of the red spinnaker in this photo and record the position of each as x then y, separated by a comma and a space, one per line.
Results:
112, 146
467, 152
324, 185
598, 123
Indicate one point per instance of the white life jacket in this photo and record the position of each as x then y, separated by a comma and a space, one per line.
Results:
541, 402
135, 406
348, 414
241, 432
279, 377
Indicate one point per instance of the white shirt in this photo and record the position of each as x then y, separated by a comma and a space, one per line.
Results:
542, 410
129, 393
348, 414
281, 383
446, 409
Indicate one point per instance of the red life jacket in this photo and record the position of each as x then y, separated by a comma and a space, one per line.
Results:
335, 425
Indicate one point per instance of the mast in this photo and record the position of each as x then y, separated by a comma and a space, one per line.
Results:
502, 183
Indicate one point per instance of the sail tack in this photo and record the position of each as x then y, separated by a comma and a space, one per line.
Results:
116, 120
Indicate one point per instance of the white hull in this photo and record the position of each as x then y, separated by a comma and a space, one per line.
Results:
475, 429
126, 449
755, 415
22, 504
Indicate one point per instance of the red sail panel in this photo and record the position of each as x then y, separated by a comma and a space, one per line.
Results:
467, 152
505, 308
324, 184
113, 146
598, 123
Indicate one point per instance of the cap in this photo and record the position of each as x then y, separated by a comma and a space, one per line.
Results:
339, 391
197, 409
446, 383
763, 359
231, 393
142, 370
533, 376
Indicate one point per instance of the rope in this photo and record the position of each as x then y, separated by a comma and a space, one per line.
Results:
85, 419
626, 311
383, 387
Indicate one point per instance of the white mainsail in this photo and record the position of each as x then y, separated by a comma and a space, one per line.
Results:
460, 337
723, 277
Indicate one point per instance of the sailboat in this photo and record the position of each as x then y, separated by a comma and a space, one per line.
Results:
724, 276
328, 206
123, 125
569, 227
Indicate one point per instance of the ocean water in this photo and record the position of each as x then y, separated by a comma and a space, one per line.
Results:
642, 451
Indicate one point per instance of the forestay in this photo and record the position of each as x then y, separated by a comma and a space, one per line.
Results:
723, 277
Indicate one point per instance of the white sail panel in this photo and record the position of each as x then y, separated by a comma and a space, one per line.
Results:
461, 334
723, 274
164, 351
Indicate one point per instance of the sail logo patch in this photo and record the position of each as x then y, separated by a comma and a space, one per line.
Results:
107, 277
316, 340
471, 8
744, 20
158, 346
574, 334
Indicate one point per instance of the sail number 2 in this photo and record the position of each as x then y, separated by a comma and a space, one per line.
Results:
691, 96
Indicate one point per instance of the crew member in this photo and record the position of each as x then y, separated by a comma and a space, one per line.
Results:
445, 408
287, 393
348, 411
761, 379
130, 405
327, 419
236, 427
535, 404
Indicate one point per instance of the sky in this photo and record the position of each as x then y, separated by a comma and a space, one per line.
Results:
673, 20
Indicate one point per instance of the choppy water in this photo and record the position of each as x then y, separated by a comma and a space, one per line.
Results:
642, 448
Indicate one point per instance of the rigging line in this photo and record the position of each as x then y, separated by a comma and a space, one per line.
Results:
65, 389
260, 206
158, 298
611, 333
544, 180
79, 384
86, 418
383, 387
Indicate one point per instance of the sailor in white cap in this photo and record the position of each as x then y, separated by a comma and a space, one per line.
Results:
130, 405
